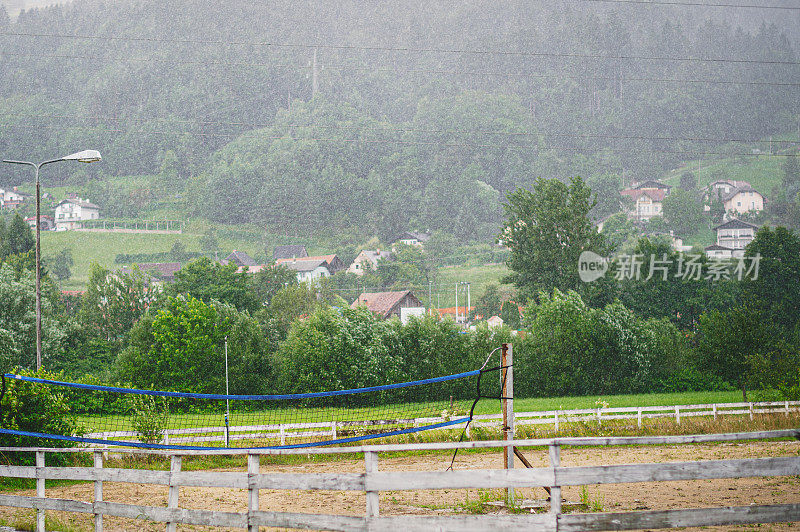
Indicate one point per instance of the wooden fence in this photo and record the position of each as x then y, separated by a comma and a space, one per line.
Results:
373, 481
286, 432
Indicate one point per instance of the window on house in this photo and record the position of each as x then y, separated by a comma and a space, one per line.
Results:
738, 203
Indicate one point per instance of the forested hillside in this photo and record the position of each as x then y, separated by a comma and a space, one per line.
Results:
311, 115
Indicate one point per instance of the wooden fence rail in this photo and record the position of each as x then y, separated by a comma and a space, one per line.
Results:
373, 481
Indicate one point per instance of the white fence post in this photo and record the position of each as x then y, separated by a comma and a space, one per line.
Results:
253, 467
507, 373
333, 430
555, 491
750, 407
787, 409
174, 490
373, 501
556, 422
98, 491
714, 408
678, 415
639, 417
40, 513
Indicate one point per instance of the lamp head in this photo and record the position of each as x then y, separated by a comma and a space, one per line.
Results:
85, 156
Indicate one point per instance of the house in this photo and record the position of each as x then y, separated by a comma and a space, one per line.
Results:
459, 314
240, 258
11, 198
387, 304
743, 199
368, 260
494, 322
716, 251
308, 269
163, 270
735, 235
289, 252
648, 198
411, 239
48, 224
70, 212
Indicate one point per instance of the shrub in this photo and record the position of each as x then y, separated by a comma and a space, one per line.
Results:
149, 417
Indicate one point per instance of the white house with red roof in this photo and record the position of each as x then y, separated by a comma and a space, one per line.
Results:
647, 199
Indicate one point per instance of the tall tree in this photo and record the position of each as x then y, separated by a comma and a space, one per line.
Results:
547, 228
18, 237
207, 280
683, 212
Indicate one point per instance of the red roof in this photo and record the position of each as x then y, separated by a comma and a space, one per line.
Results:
382, 303
655, 195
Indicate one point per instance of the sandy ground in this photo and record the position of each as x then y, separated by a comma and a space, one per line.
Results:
628, 497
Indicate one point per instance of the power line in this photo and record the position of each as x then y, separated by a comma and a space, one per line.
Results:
403, 49
401, 129
394, 70
534, 147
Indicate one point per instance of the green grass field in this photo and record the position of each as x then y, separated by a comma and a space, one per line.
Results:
479, 278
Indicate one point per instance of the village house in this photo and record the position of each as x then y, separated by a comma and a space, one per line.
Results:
48, 224
390, 304
411, 239
11, 198
736, 196
162, 270
368, 260
70, 212
732, 236
240, 258
308, 269
648, 198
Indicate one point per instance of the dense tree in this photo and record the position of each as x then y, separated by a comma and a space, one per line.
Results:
688, 181
18, 237
683, 212
774, 289
267, 282
547, 228
59, 264
206, 280
605, 189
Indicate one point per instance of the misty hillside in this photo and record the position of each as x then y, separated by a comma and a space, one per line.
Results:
317, 115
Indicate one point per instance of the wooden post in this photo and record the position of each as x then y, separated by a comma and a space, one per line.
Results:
98, 491
787, 408
714, 408
253, 465
750, 407
507, 361
678, 415
174, 491
40, 514
556, 422
555, 491
639, 417
371, 466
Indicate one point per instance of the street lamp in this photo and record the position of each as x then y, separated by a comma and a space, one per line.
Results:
85, 156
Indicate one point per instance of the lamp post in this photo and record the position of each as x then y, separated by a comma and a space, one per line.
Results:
86, 156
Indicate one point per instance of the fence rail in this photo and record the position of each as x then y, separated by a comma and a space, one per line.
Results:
373, 481
285, 432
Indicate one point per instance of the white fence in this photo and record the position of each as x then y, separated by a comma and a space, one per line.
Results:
283, 433
372, 482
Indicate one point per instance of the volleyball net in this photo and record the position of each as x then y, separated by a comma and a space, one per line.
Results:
108, 415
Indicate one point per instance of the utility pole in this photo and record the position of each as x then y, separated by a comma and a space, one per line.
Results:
314, 75
456, 302
468, 302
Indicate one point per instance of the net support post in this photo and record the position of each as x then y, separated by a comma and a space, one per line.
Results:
174, 490
507, 373
555, 490
371, 466
253, 465
98, 491
40, 512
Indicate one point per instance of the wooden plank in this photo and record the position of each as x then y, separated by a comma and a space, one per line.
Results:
65, 505
311, 481
17, 471
708, 469
40, 512
174, 490
554, 452
210, 479
372, 495
164, 515
679, 518
98, 492
466, 523
309, 521
135, 476
253, 472
476, 478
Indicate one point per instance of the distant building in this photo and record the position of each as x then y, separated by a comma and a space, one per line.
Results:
69, 213
289, 252
368, 260
648, 198
48, 224
163, 270
240, 258
308, 269
387, 304
735, 235
715, 251
494, 322
411, 239
11, 198
736, 196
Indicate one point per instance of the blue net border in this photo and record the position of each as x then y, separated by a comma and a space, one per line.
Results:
245, 397
140, 445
